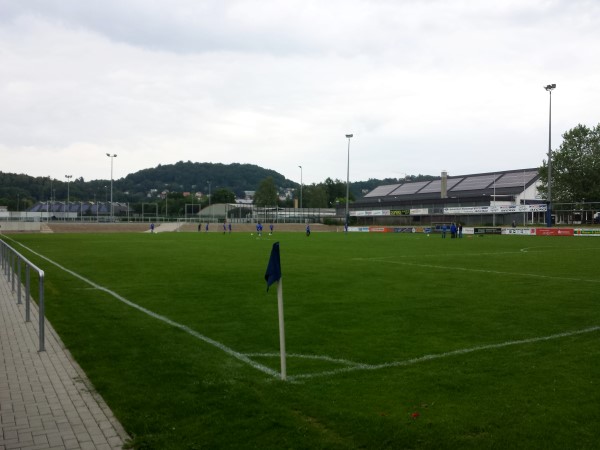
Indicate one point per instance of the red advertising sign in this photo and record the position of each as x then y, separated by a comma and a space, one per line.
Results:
554, 232
380, 229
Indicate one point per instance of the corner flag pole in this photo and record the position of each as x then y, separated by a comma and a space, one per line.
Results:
273, 275
281, 329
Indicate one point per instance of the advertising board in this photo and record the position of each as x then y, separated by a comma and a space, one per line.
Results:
587, 232
370, 213
554, 232
487, 230
404, 230
519, 231
499, 209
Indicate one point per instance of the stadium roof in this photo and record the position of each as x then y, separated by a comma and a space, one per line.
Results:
511, 182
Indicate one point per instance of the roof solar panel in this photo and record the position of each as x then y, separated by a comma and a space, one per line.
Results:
475, 182
409, 188
515, 179
436, 185
381, 191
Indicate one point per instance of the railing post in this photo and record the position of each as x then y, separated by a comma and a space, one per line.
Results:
11, 271
18, 280
41, 311
27, 295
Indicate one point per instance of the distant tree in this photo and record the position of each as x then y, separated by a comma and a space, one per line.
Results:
315, 196
575, 167
266, 194
173, 205
336, 191
223, 196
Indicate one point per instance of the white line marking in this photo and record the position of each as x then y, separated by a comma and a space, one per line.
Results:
345, 362
495, 272
182, 327
463, 351
435, 255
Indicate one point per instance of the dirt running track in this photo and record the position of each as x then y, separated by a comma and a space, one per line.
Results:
76, 227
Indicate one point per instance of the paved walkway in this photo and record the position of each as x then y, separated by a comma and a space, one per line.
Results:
46, 401
166, 227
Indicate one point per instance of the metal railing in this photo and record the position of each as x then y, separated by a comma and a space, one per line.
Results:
12, 264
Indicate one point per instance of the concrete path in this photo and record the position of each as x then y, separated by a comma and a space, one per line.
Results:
166, 227
46, 401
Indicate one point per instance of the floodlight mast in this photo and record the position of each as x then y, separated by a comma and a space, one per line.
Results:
549, 88
347, 222
68, 207
111, 185
300, 187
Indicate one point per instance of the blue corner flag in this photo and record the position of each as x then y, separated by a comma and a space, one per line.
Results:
273, 273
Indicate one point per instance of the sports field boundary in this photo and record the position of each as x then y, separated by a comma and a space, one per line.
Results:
350, 366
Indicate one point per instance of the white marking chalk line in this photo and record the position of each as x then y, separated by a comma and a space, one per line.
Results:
303, 356
431, 357
467, 269
182, 327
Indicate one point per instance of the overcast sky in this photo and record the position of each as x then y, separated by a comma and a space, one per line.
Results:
424, 85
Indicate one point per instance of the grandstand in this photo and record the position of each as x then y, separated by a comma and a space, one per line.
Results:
495, 198
53, 210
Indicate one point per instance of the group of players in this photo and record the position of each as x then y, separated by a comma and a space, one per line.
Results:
227, 228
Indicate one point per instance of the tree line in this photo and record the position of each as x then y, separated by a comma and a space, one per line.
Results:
166, 186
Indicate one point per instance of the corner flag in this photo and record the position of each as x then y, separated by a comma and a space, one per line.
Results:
273, 273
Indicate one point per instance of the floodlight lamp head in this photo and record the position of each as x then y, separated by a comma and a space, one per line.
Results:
349, 136
550, 87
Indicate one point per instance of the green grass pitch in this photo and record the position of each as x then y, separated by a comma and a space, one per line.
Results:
393, 340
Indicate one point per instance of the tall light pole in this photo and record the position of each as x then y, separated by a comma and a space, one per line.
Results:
549, 88
300, 187
193, 187
208, 182
68, 177
494, 210
524, 201
348, 136
111, 184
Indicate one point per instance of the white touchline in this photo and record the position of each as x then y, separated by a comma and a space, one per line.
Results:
462, 351
495, 272
182, 327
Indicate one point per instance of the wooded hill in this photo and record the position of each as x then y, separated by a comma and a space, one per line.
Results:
20, 191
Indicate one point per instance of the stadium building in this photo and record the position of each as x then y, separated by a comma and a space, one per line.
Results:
496, 199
